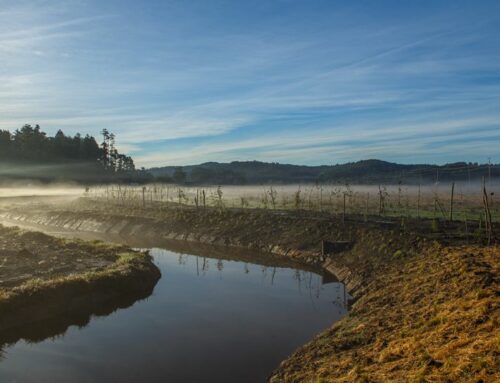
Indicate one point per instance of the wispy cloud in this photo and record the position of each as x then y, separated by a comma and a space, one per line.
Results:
181, 83
341, 143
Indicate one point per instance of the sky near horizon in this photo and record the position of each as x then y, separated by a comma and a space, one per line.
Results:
303, 82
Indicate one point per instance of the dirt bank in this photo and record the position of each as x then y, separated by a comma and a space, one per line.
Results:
42, 276
426, 305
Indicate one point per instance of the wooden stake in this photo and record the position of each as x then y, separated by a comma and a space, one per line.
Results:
418, 202
451, 200
343, 216
367, 202
466, 229
487, 214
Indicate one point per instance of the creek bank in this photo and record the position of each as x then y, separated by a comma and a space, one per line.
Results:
424, 311
295, 236
44, 277
432, 318
291, 236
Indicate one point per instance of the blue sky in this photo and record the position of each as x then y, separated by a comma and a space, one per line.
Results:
306, 82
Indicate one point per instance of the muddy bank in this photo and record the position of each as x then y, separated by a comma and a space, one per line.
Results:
43, 277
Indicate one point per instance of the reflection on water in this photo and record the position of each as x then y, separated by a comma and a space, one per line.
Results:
57, 326
305, 280
208, 320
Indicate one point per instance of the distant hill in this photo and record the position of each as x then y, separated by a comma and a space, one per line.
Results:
361, 172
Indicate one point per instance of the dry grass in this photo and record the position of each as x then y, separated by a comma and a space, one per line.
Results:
433, 318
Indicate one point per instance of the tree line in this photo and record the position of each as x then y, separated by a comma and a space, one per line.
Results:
31, 144
63, 156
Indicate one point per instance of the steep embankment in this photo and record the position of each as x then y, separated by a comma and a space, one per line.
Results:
424, 312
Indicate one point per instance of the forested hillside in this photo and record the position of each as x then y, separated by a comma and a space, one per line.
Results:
361, 172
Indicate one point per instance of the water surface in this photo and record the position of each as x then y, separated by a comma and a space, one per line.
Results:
208, 320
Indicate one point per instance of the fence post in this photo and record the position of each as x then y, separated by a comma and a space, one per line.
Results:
367, 202
487, 214
466, 229
418, 202
451, 200
343, 215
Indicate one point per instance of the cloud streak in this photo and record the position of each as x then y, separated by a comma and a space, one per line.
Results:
185, 83
343, 142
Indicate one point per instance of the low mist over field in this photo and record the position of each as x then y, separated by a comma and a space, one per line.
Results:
24, 189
